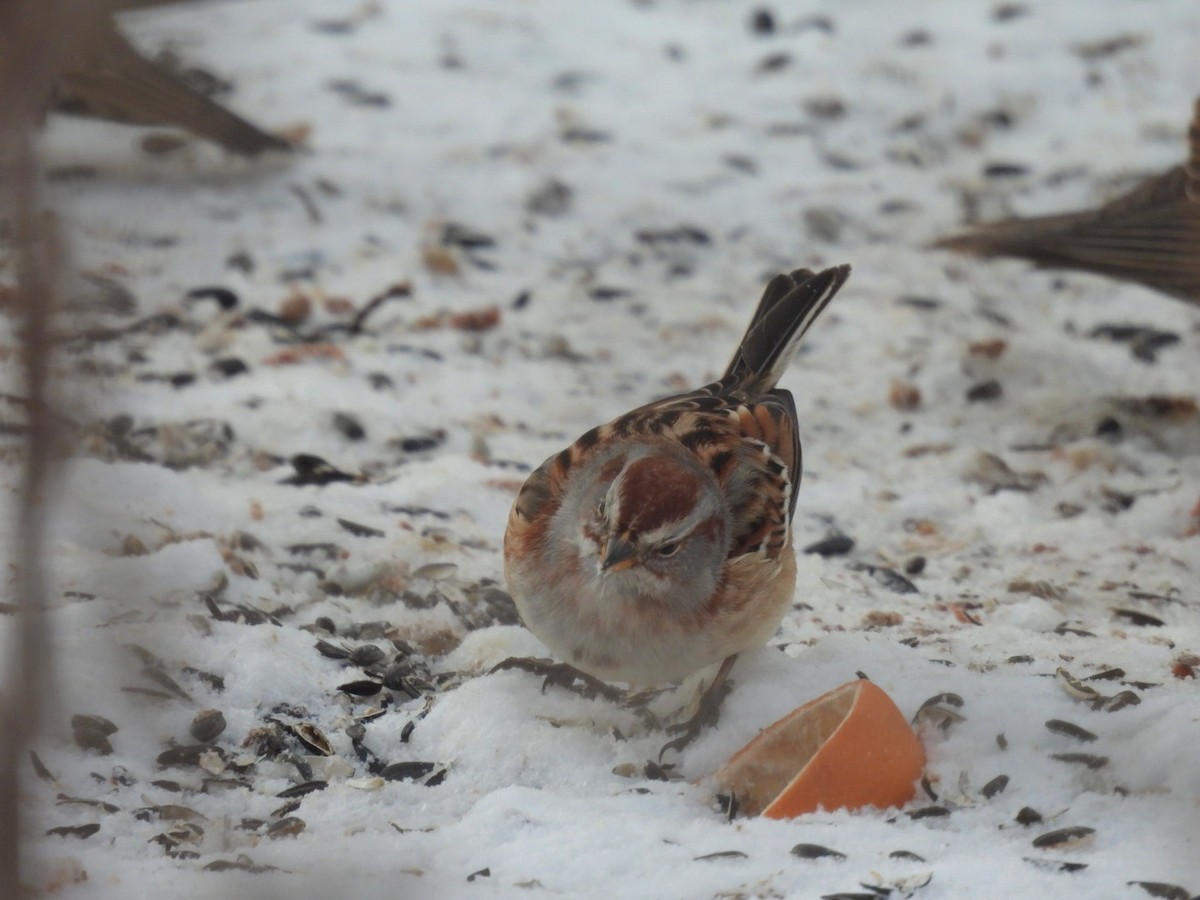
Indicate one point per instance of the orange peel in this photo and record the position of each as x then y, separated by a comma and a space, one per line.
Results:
847, 749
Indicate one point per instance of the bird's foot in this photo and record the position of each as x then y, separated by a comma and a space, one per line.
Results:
708, 711
564, 676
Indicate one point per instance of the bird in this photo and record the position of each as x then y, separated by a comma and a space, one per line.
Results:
660, 543
1149, 235
107, 78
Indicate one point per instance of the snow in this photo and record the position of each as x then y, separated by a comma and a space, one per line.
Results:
857, 147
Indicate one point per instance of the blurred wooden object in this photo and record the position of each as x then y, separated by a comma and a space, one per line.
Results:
1150, 235
37, 37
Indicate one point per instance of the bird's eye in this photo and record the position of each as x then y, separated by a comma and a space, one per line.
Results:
668, 549
602, 509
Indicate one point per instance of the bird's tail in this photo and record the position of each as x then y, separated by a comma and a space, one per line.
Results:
1150, 235
789, 305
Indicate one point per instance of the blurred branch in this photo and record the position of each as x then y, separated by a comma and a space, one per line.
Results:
36, 38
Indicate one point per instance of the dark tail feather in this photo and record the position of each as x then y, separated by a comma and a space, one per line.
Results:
1150, 235
789, 305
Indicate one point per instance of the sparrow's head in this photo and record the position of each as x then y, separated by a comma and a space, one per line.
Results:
653, 522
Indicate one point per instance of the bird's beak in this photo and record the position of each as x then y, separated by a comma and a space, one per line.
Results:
618, 554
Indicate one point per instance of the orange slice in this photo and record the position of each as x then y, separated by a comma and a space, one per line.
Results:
848, 748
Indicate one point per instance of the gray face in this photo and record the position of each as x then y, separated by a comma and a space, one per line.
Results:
648, 523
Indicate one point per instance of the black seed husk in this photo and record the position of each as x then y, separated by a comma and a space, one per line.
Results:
1059, 726
1061, 836
207, 725
299, 790
362, 688
995, 786
816, 851
1028, 816
1162, 889
834, 545
1091, 760
929, 812
407, 771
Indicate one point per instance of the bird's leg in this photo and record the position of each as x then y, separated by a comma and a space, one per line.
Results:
564, 676
708, 712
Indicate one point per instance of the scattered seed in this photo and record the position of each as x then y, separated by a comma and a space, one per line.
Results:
834, 545
816, 851
762, 22
313, 738
985, 391
1118, 701
938, 711
184, 755
361, 688
165, 681
1107, 675
1090, 760
207, 725
359, 530
1001, 741
225, 298
229, 367
1064, 837
1058, 726
332, 651
656, 772
75, 831
407, 771
1055, 865
242, 863
1076, 688
366, 655
349, 426
994, 787
1065, 628
40, 768
312, 470
929, 812
1020, 659
721, 854
438, 571
169, 812
216, 682
482, 873
1162, 889
64, 800
300, 790
888, 578
1028, 816
94, 723
1140, 619
92, 733
286, 810
907, 855
289, 826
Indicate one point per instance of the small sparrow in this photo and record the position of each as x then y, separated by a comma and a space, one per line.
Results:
660, 543
1150, 235
107, 78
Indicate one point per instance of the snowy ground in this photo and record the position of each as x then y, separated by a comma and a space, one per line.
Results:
616, 181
